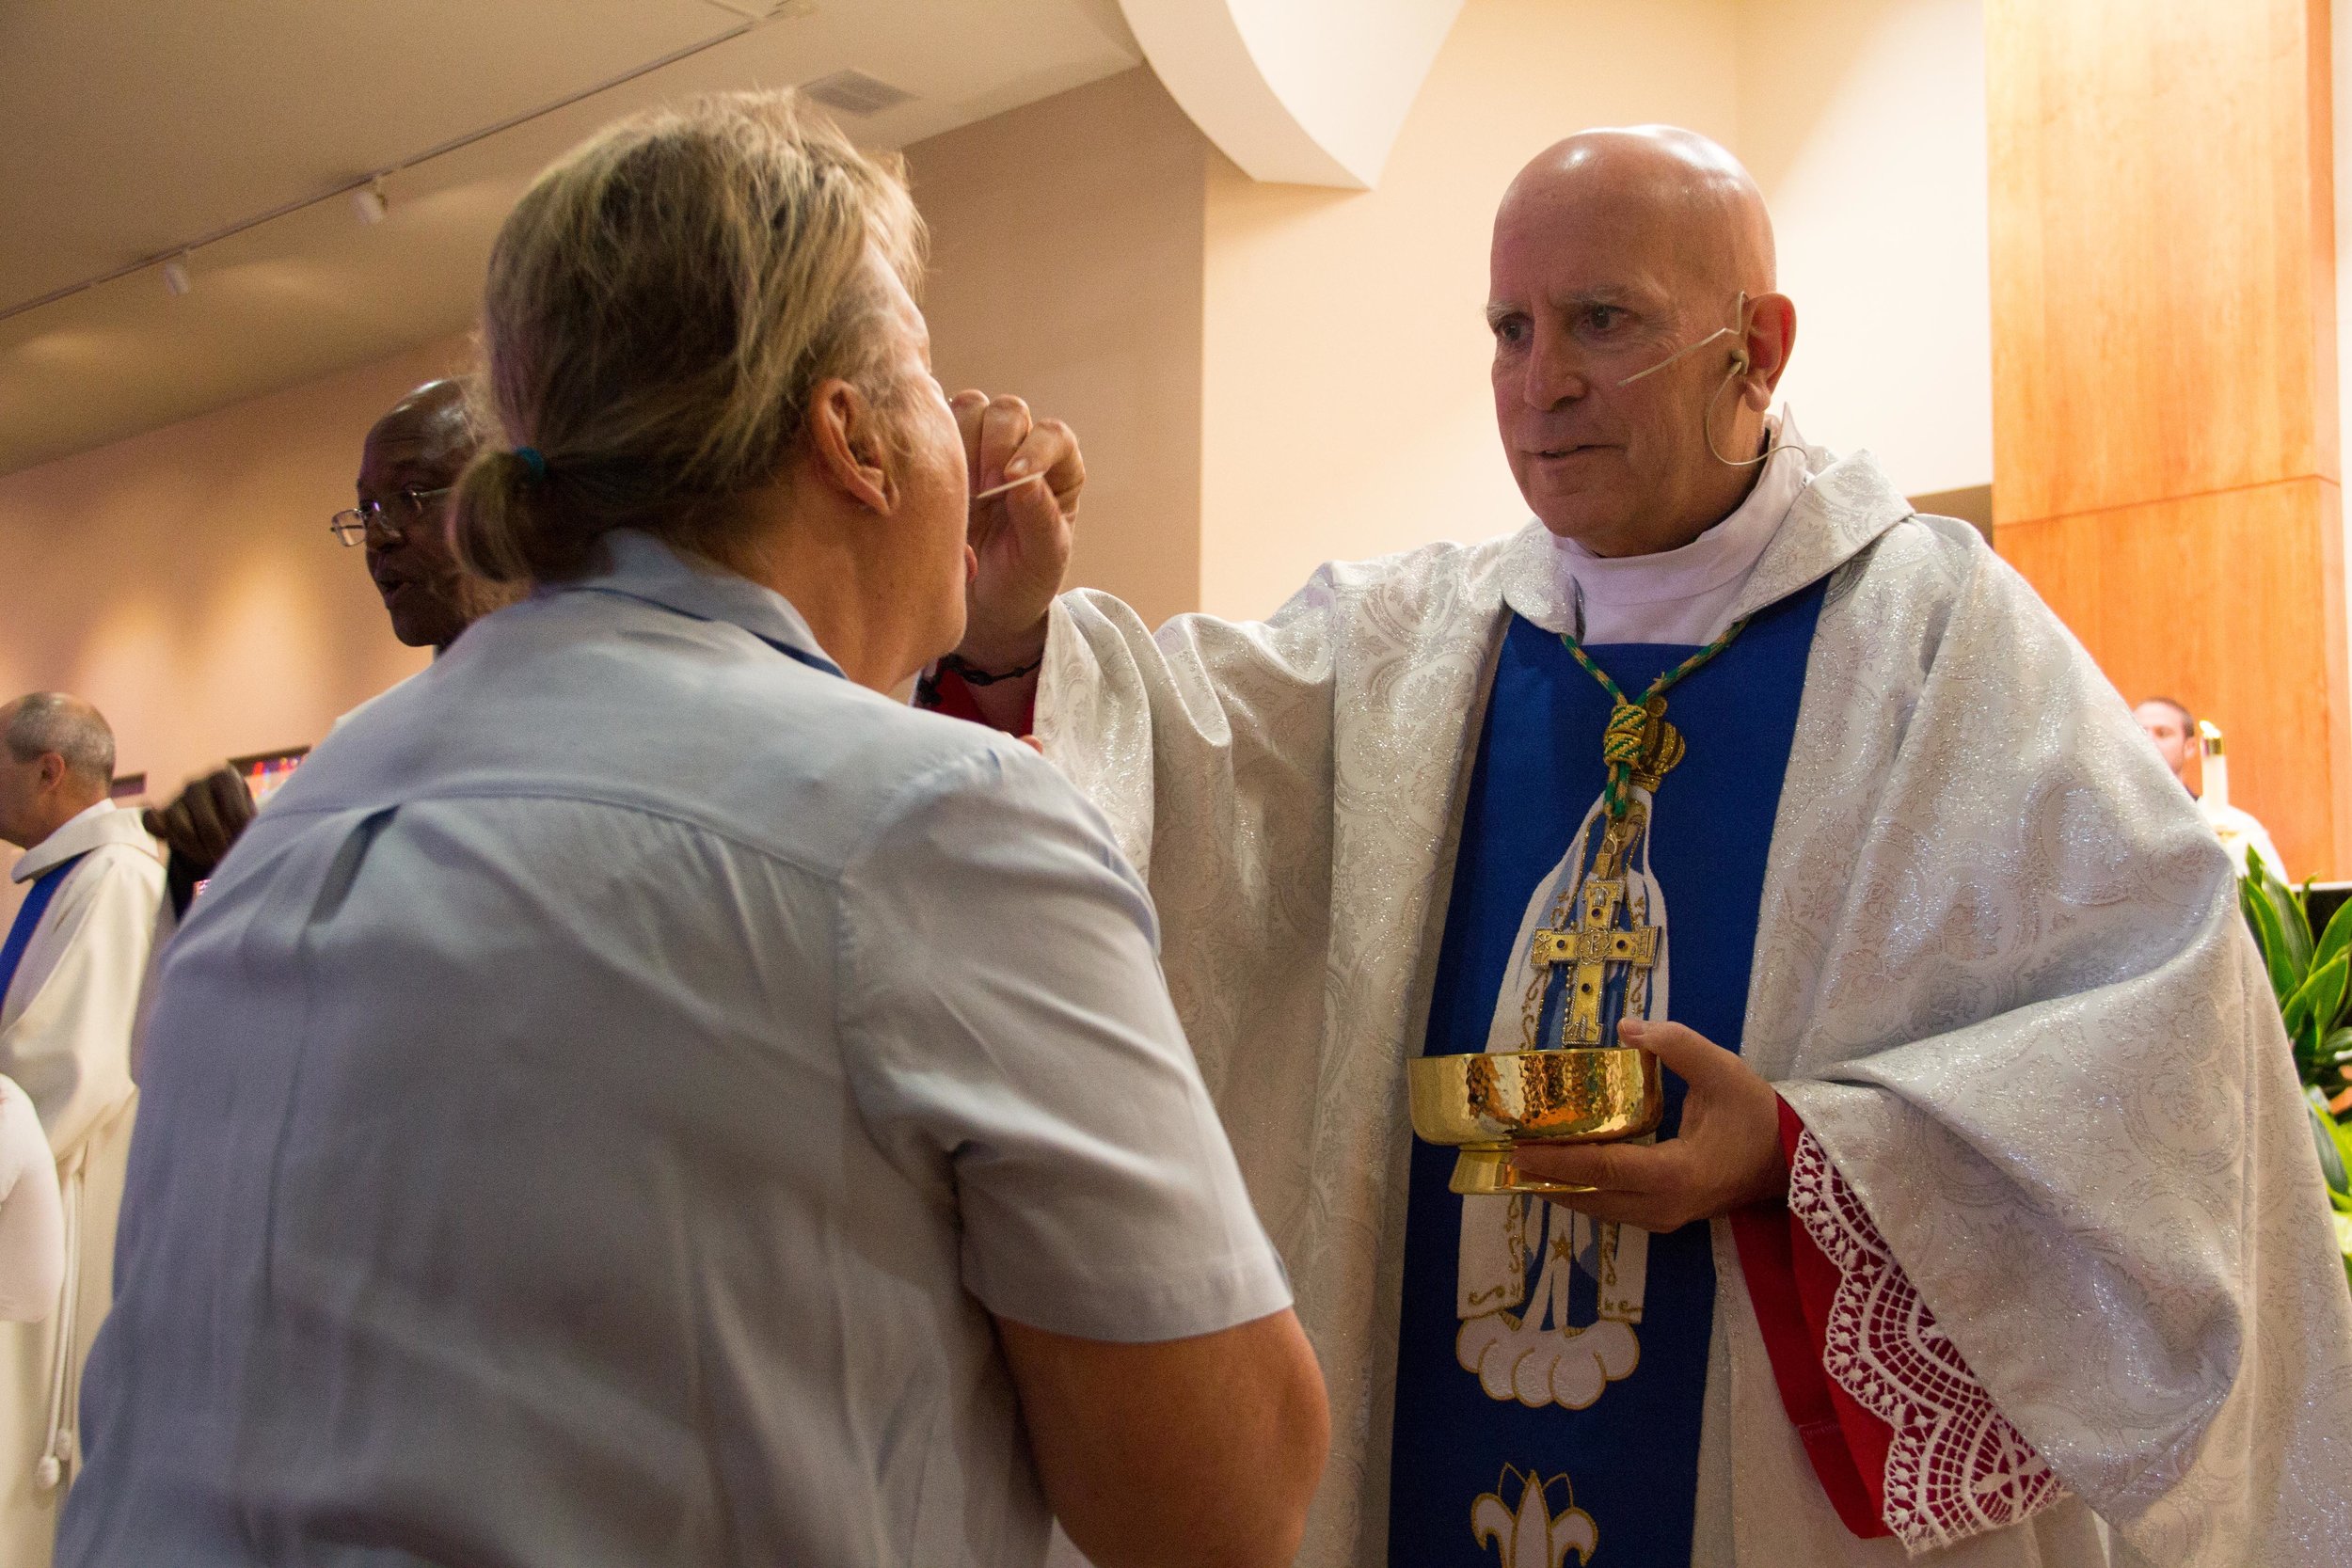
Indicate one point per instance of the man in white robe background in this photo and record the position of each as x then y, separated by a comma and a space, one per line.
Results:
2048, 1123
70, 973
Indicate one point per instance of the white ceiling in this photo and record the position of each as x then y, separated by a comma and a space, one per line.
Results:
135, 125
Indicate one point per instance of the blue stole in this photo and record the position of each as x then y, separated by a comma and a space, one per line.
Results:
28, 916
1556, 1414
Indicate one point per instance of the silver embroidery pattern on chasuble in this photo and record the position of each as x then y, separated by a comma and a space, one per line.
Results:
1996, 973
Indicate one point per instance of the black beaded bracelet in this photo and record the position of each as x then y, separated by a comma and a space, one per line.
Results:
972, 674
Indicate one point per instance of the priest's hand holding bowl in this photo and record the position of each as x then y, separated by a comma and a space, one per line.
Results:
1026, 475
1726, 1156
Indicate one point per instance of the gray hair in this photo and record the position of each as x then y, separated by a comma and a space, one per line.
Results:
660, 303
47, 721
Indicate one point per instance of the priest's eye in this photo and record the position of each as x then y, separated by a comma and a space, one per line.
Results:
1511, 330
1600, 318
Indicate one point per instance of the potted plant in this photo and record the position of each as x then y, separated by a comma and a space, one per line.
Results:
2313, 982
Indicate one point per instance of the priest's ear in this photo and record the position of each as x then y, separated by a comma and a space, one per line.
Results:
1762, 355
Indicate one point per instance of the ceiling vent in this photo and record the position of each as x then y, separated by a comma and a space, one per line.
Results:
856, 93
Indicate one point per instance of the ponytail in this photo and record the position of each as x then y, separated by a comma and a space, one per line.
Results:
659, 305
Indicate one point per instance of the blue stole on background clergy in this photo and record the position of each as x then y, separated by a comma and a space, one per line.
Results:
28, 916
1612, 1481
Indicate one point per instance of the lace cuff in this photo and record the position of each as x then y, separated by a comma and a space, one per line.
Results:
1955, 1466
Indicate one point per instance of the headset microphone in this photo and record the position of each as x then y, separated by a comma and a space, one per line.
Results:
1740, 366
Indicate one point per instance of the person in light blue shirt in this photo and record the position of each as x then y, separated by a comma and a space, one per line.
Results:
642, 1095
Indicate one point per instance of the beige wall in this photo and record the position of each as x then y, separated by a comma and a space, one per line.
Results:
1346, 408
185, 580
1066, 268
1864, 123
1346, 396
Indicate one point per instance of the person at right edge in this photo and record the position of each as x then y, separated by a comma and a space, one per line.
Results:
642, 1095
2172, 730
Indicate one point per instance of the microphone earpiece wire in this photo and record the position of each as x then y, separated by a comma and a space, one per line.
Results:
1706, 428
1685, 349
1706, 417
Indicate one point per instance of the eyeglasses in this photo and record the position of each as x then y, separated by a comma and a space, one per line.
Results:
355, 525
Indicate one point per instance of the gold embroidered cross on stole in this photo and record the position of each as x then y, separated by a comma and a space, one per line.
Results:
1596, 941
1585, 1085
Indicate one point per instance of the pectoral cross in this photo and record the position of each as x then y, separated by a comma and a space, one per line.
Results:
1596, 941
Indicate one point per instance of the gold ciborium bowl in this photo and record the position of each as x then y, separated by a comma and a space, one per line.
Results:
1489, 1104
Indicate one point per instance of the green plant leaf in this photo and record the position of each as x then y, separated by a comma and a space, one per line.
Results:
2293, 926
2315, 1005
2336, 938
2269, 937
2331, 1152
2294, 1012
2328, 1073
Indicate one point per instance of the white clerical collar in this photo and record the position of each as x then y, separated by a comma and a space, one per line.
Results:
1678, 595
85, 831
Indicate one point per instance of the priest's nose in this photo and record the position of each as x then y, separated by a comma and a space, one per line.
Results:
1554, 372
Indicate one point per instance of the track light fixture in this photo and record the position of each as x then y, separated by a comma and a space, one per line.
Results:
369, 200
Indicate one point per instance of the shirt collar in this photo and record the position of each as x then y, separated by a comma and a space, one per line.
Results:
80, 833
639, 566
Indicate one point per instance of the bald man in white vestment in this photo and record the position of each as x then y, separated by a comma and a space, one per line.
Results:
1984, 1209
71, 971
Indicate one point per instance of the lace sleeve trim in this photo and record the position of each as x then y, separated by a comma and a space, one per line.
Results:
1956, 1466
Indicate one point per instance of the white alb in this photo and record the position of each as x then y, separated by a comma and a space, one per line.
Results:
65, 1037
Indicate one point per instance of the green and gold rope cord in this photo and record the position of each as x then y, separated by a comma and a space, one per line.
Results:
1629, 721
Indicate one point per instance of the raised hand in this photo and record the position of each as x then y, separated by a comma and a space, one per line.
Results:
1021, 538
205, 819
1726, 1156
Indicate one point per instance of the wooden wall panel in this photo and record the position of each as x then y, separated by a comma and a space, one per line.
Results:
2166, 462
2209, 599
2162, 230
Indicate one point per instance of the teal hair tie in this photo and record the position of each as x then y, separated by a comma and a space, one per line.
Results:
533, 460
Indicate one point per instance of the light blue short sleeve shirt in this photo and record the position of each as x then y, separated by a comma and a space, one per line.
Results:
593, 1113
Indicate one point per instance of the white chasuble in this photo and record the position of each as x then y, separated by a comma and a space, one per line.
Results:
1999, 972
